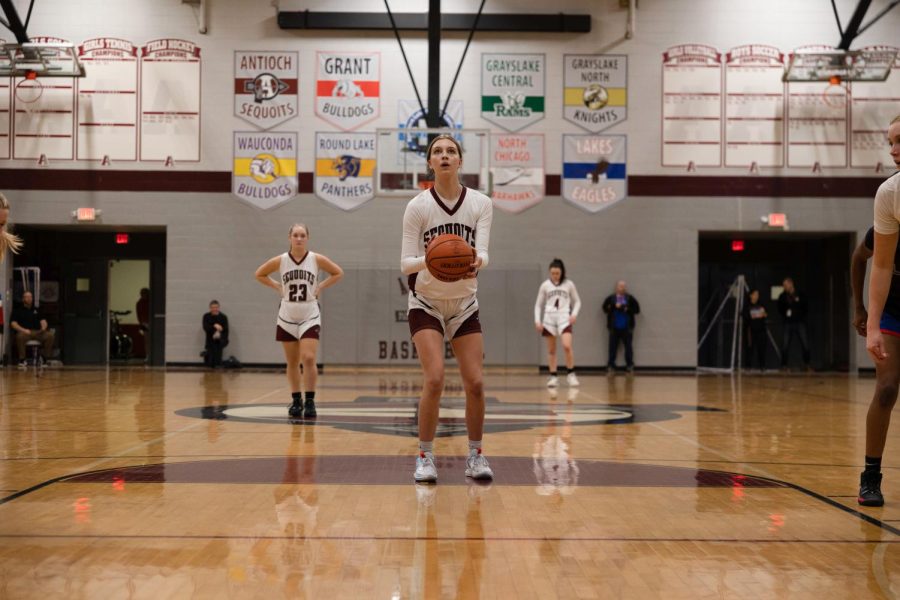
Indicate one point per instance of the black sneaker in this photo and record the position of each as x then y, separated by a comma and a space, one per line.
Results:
870, 489
296, 410
309, 411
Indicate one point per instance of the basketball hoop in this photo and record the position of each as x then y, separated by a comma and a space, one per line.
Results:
836, 93
28, 91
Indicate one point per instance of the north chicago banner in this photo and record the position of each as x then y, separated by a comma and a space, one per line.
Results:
265, 167
345, 168
517, 169
348, 88
596, 90
594, 174
265, 87
512, 89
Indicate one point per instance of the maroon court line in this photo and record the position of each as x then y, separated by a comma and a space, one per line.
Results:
435, 538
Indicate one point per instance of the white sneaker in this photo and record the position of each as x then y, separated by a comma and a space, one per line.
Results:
426, 472
572, 380
477, 466
553, 381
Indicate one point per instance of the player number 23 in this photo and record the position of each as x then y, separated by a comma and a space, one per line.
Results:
297, 292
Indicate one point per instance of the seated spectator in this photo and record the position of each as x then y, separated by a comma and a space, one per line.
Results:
28, 326
215, 324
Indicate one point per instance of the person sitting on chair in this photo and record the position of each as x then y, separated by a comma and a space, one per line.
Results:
215, 324
28, 326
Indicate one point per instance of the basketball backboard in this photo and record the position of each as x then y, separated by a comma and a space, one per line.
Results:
401, 169
840, 66
40, 60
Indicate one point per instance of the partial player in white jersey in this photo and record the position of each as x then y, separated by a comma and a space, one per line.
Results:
299, 322
882, 327
558, 300
438, 309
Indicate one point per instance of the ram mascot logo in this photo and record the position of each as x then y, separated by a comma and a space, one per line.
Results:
347, 166
264, 168
264, 87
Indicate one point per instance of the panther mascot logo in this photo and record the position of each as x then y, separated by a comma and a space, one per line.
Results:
347, 166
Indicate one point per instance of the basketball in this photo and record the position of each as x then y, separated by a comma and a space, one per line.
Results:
448, 257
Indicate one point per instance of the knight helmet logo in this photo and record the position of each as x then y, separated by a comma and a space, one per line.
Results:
347, 166
264, 87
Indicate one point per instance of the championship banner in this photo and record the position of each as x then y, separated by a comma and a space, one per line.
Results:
517, 171
596, 90
348, 88
594, 175
512, 89
265, 168
345, 169
265, 87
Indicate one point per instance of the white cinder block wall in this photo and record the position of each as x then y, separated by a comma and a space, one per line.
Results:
215, 241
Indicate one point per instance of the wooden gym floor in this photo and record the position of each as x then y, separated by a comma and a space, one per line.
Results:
141, 483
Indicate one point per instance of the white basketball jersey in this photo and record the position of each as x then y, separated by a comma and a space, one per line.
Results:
561, 299
299, 280
433, 217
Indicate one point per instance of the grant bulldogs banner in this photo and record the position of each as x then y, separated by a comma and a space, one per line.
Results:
596, 90
517, 168
348, 90
265, 167
345, 166
265, 87
594, 175
512, 89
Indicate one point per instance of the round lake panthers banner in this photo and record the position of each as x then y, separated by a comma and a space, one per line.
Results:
345, 168
594, 175
265, 167
517, 171
596, 90
265, 87
512, 89
348, 92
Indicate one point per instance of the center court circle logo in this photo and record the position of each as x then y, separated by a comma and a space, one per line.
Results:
398, 415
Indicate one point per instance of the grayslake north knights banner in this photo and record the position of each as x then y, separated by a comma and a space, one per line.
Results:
512, 89
517, 170
345, 169
265, 87
594, 175
348, 88
595, 94
265, 167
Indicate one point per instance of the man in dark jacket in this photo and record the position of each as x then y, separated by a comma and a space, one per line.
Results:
215, 324
28, 325
793, 308
620, 308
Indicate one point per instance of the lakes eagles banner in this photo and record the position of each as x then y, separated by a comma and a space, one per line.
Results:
594, 174
348, 88
345, 169
517, 171
596, 90
265, 167
512, 89
265, 87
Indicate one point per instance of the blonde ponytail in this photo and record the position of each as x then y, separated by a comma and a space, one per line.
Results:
8, 241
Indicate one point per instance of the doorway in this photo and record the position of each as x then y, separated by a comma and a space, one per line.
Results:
100, 273
819, 264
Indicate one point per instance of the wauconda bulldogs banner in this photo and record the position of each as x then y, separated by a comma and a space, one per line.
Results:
512, 89
345, 168
265, 168
265, 87
517, 169
348, 88
594, 175
596, 90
